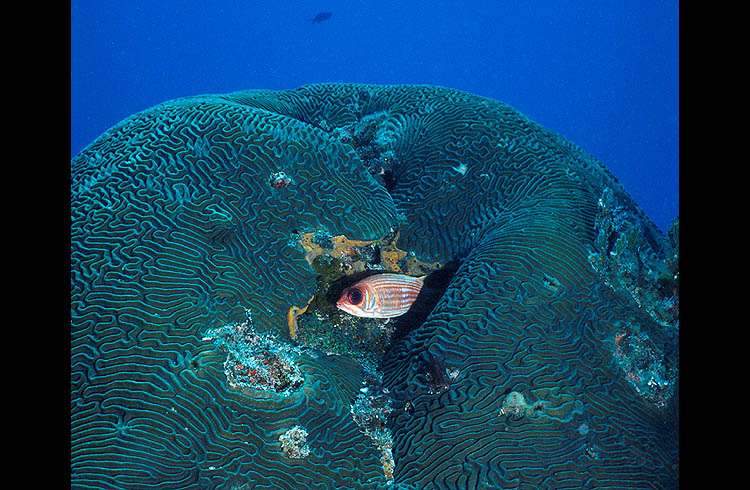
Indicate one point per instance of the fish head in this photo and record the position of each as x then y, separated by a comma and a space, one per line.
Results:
355, 301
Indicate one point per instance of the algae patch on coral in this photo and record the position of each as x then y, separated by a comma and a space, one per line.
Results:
257, 362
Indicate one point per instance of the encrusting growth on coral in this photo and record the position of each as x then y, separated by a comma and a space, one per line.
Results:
643, 363
338, 247
279, 180
646, 271
370, 411
291, 317
294, 443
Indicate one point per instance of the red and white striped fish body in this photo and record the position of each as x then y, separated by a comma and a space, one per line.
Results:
380, 296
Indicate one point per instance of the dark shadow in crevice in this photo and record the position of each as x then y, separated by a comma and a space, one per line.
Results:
435, 285
389, 180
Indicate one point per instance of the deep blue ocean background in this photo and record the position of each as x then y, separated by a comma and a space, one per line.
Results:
604, 74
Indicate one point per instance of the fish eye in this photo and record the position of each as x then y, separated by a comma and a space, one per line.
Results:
355, 296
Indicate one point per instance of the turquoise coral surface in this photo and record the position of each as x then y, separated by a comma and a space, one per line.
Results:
549, 359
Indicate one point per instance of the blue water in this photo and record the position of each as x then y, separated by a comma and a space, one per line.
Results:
604, 74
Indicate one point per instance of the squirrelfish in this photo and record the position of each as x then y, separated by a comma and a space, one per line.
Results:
381, 296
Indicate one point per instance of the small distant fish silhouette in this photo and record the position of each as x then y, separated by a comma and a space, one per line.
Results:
321, 17
381, 296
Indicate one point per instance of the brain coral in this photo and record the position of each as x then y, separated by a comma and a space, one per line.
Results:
187, 217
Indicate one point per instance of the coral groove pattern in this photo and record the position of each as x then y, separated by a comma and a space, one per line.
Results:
187, 216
